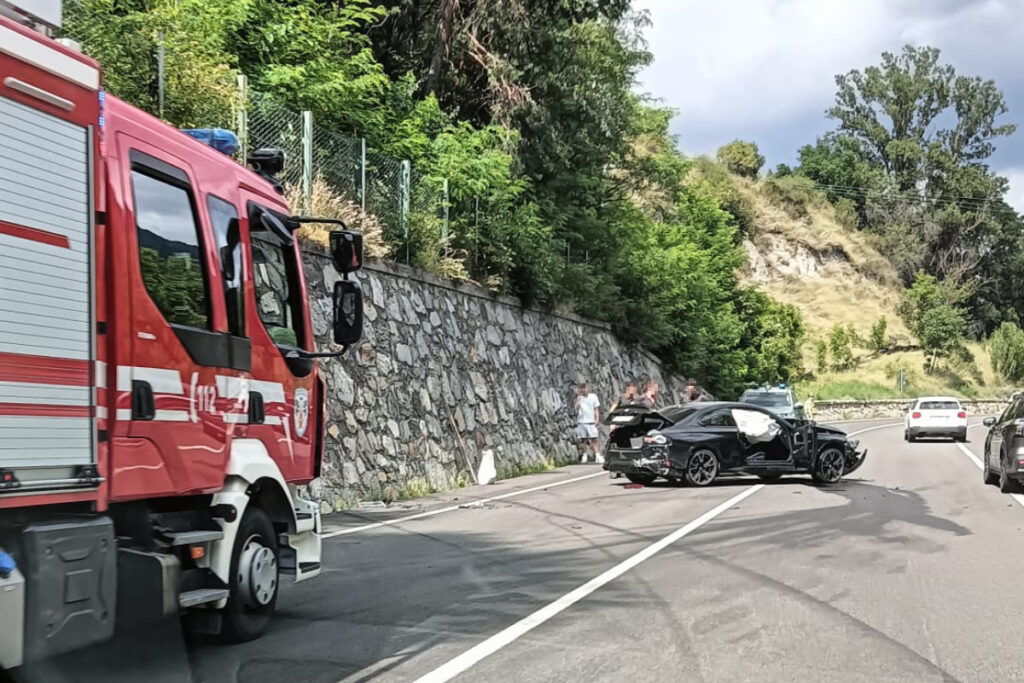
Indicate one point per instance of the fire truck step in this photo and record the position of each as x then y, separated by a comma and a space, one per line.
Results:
201, 596
191, 537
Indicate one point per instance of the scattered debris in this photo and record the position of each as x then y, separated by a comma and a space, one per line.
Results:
633, 486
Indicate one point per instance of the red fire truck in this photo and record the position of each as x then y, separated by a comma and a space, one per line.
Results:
160, 402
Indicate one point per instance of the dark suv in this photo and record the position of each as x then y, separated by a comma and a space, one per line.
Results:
1004, 447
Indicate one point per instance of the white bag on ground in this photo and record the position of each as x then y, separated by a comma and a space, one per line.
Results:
756, 426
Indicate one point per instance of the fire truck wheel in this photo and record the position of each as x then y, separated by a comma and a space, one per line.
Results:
254, 578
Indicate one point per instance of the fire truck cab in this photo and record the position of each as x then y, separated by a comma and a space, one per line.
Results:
160, 402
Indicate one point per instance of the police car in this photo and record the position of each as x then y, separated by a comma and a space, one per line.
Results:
780, 400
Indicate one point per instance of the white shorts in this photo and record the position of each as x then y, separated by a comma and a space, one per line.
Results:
586, 431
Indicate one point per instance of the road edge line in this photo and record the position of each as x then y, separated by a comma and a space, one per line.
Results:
450, 508
477, 653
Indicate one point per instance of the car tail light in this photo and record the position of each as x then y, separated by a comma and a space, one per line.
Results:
961, 414
915, 416
656, 438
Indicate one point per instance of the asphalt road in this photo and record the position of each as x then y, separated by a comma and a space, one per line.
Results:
907, 571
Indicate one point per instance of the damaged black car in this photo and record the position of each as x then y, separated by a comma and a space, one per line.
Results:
696, 443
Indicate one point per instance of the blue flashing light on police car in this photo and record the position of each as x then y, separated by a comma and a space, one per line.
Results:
220, 139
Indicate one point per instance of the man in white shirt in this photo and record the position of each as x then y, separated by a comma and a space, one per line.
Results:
587, 419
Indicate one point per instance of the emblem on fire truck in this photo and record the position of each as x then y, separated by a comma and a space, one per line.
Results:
301, 413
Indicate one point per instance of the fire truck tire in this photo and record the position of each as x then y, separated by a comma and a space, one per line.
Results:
254, 578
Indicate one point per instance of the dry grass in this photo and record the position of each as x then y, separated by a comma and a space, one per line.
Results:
326, 202
876, 377
818, 229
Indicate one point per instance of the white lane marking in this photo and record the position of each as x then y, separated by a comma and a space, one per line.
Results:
871, 429
475, 654
980, 465
450, 508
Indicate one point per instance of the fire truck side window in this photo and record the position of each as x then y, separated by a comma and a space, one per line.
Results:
170, 250
276, 281
224, 218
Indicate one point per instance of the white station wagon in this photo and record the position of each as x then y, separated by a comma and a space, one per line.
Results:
936, 416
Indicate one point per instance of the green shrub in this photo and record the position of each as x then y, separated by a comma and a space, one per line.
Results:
795, 195
1007, 348
877, 340
741, 157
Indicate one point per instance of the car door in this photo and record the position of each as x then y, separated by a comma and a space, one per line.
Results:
720, 427
1004, 430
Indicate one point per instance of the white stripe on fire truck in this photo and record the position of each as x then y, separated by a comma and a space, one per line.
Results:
101, 374
39, 393
101, 412
236, 418
159, 415
272, 392
161, 380
232, 388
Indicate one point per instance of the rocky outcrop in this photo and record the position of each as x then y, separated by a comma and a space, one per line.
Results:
446, 371
772, 255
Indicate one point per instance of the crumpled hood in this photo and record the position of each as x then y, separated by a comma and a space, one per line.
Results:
829, 431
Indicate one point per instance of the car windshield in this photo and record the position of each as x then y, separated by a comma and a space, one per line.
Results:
767, 400
939, 405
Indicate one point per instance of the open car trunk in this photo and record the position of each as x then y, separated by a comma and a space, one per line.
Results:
630, 423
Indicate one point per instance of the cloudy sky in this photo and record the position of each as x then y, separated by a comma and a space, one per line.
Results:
764, 70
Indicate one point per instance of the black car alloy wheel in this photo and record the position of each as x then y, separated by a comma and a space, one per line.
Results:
701, 468
830, 466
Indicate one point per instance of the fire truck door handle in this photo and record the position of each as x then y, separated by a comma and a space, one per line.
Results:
143, 405
257, 414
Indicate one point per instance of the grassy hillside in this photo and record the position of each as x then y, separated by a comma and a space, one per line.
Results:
802, 253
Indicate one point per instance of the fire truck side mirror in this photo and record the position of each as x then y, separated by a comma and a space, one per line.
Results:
347, 250
348, 312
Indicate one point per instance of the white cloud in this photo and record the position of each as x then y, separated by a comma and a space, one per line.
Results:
765, 69
1015, 195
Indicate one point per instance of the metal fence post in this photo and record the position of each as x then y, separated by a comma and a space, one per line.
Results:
444, 225
160, 72
362, 173
404, 183
307, 161
243, 114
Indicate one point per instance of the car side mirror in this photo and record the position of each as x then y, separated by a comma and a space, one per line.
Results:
346, 250
988, 421
348, 312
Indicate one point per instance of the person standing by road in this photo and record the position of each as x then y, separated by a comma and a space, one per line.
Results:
649, 398
692, 392
629, 395
587, 418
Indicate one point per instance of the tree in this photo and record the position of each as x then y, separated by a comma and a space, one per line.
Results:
741, 157
1007, 348
931, 309
821, 356
877, 341
941, 332
840, 348
898, 114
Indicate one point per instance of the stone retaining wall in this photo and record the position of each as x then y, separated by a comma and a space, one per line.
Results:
446, 371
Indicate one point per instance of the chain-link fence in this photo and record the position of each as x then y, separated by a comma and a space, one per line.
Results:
149, 61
